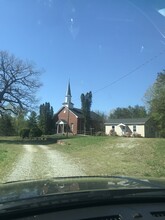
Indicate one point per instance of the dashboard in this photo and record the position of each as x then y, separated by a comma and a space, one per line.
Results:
107, 212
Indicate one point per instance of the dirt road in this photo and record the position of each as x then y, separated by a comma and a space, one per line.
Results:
40, 161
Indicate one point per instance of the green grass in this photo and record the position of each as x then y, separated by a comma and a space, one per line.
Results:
97, 155
10, 150
117, 156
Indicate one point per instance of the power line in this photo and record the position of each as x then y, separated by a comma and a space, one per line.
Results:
132, 71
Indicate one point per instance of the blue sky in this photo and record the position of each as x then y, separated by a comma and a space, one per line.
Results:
94, 43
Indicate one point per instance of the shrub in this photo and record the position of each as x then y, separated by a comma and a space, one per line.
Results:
127, 134
136, 135
35, 132
162, 133
24, 133
112, 133
100, 133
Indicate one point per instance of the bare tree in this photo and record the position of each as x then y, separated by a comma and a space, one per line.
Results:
19, 81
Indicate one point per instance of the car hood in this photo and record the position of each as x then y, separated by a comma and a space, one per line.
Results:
14, 191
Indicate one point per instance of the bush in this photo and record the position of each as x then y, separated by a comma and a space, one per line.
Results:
35, 132
127, 134
136, 135
24, 133
112, 133
162, 133
100, 133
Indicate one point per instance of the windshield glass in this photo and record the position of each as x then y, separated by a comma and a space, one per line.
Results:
82, 90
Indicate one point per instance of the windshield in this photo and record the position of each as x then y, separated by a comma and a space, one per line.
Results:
82, 90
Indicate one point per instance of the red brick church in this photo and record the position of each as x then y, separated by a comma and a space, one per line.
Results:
70, 119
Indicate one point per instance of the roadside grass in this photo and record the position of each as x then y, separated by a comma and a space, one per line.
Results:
136, 157
97, 155
10, 150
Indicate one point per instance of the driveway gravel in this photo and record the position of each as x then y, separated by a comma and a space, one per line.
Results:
40, 162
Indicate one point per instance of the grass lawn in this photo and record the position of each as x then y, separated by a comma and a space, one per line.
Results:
97, 155
10, 150
117, 156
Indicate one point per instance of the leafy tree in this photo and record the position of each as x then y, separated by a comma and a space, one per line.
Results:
101, 119
32, 129
24, 133
155, 98
86, 102
32, 121
35, 132
129, 112
19, 83
46, 118
20, 122
6, 125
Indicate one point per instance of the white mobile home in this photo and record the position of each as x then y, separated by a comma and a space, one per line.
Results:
130, 126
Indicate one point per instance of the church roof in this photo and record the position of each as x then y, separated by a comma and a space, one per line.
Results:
76, 111
79, 113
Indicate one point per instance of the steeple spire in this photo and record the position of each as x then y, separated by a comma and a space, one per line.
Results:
68, 97
68, 91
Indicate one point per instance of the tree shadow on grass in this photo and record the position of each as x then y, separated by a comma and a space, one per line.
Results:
5, 141
34, 141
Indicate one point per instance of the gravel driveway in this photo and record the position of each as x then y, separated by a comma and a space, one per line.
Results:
40, 161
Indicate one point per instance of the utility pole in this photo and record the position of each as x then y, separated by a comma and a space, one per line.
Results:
67, 132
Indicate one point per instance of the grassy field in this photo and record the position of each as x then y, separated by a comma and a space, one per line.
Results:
10, 151
98, 155
117, 156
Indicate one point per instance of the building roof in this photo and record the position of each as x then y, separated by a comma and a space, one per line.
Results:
127, 121
78, 112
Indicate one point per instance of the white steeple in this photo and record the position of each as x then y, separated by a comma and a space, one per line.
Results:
68, 97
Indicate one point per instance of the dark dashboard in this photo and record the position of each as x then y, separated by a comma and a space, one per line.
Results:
107, 212
115, 198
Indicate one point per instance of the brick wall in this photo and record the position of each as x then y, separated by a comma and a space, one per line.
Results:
73, 120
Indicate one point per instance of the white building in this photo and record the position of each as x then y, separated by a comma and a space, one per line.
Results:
129, 126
